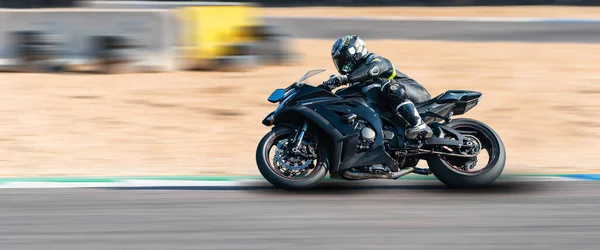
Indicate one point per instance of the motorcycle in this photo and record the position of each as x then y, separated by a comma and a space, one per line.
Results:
349, 135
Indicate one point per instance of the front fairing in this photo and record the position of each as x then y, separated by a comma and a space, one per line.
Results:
303, 95
297, 91
307, 93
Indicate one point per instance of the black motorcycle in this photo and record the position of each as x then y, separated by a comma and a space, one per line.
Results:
351, 136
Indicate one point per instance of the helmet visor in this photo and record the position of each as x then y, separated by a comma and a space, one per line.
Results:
343, 64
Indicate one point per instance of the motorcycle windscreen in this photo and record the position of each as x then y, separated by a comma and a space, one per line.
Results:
310, 74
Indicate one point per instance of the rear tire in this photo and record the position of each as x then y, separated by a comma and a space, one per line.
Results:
457, 179
265, 165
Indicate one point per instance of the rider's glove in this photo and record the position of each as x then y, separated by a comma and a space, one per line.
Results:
334, 81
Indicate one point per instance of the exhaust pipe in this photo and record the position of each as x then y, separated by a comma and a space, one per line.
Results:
353, 175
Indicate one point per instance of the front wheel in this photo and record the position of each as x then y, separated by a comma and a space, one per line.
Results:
289, 170
478, 171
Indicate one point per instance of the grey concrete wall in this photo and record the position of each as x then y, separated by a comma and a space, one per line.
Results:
154, 4
153, 29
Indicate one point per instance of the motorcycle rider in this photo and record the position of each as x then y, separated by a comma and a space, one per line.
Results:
357, 65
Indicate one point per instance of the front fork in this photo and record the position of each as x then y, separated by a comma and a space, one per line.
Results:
297, 141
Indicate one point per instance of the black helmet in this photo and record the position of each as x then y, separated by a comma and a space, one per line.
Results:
347, 52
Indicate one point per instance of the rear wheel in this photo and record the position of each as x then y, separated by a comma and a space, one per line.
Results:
478, 171
289, 170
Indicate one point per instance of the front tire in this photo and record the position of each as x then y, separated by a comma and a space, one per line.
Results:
452, 176
275, 176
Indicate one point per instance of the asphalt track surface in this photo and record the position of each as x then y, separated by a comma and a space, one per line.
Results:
508, 215
325, 28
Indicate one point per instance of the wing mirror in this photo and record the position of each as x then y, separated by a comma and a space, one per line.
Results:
277, 95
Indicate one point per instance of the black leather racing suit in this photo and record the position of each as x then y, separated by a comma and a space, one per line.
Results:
401, 91
397, 87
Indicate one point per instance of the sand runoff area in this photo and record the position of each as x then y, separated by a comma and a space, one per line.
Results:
543, 100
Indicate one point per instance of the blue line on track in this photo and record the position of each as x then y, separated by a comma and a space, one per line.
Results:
590, 177
559, 20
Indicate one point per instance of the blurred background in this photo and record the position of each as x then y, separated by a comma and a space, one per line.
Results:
179, 87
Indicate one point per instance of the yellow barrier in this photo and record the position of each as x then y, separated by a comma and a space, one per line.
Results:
206, 30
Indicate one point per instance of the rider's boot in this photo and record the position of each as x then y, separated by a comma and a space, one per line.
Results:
417, 126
